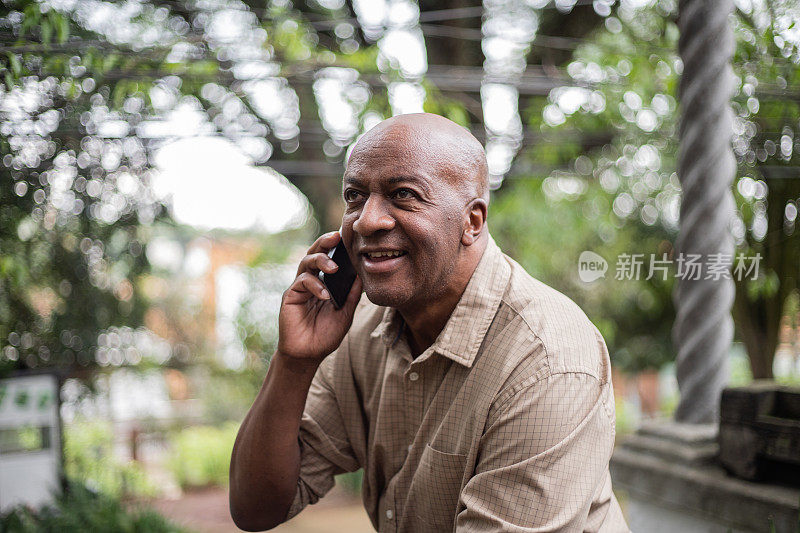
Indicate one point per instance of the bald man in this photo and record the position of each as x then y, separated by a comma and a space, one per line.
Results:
474, 397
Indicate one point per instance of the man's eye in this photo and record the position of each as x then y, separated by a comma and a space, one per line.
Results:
404, 194
351, 195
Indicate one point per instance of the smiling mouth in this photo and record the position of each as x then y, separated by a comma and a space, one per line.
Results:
381, 262
384, 255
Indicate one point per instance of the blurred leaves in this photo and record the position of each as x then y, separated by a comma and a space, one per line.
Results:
80, 509
72, 202
612, 137
614, 191
90, 459
201, 455
76, 193
82, 83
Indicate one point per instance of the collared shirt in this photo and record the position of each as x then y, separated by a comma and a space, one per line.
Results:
505, 423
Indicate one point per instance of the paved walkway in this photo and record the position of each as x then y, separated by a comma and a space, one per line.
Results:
206, 511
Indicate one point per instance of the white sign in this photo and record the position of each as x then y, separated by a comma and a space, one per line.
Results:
30, 442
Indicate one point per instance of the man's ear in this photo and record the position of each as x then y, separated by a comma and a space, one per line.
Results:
474, 221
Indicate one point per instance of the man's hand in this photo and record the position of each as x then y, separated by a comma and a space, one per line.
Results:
310, 327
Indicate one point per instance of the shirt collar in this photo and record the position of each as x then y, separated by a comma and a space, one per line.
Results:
464, 331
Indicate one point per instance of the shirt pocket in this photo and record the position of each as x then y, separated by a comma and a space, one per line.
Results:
437, 485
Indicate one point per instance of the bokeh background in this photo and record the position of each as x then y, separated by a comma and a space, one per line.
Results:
165, 163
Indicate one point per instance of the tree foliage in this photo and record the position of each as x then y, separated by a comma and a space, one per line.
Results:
86, 85
73, 201
612, 137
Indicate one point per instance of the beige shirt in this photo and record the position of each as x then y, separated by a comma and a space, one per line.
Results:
506, 423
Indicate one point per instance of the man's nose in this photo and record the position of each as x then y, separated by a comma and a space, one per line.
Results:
374, 217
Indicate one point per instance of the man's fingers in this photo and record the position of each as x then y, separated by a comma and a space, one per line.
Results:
325, 242
307, 284
315, 262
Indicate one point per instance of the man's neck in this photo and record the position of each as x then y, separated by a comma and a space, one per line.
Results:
425, 322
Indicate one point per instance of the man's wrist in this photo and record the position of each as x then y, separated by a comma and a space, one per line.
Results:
297, 365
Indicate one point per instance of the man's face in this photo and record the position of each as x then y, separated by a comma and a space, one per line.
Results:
403, 220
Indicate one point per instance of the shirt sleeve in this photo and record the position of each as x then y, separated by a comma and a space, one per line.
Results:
325, 450
543, 459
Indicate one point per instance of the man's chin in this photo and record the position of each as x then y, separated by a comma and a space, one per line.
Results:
386, 297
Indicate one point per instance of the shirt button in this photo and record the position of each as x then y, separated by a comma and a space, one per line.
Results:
389, 514
413, 376
409, 448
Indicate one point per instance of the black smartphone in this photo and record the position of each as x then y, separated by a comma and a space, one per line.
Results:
340, 282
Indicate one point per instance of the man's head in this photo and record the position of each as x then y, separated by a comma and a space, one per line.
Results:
416, 194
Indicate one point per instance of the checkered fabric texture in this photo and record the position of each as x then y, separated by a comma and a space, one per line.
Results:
506, 423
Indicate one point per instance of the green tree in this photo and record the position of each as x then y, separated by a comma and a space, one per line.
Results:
612, 137
73, 201
76, 202
767, 145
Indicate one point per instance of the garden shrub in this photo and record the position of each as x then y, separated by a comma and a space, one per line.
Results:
79, 510
89, 458
201, 455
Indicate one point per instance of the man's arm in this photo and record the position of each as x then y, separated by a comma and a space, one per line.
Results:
265, 463
266, 456
543, 459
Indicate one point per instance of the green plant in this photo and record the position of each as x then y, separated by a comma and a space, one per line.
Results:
78, 509
89, 458
201, 455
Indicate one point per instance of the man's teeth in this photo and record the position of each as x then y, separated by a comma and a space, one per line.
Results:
393, 253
